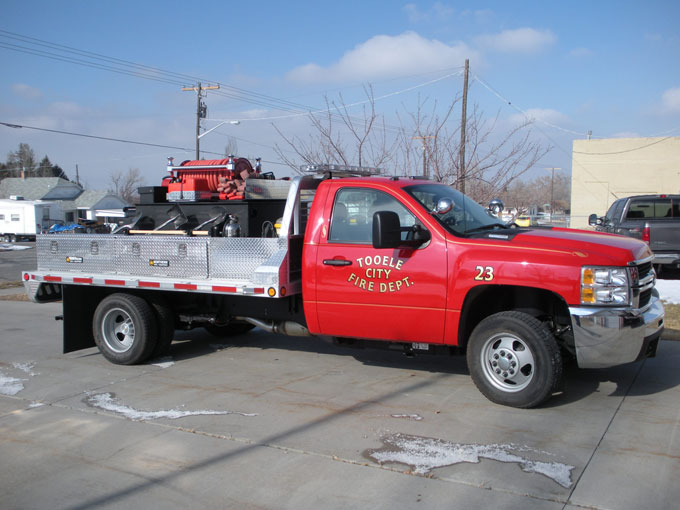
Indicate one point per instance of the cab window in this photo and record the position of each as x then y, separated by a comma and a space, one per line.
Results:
614, 212
352, 216
650, 209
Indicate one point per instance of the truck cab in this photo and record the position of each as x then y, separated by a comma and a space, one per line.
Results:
414, 261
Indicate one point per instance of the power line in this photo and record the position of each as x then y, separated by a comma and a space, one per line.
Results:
85, 63
351, 105
526, 114
141, 70
148, 144
133, 69
566, 152
125, 67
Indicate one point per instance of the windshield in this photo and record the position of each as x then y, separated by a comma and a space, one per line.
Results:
465, 217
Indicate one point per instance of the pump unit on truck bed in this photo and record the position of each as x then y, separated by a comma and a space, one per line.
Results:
390, 261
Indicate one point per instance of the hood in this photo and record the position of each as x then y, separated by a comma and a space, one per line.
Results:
595, 248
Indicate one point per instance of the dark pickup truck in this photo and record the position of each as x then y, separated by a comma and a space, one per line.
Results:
654, 219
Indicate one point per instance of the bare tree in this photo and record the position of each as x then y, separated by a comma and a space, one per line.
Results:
125, 184
536, 193
495, 157
340, 138
427, 133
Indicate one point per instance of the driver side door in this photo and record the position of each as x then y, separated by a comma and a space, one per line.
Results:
363, 292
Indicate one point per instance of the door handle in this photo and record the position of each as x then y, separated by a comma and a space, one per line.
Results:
337, 262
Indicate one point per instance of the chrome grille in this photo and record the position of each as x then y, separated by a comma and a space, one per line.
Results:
645, 296
644, 269
643, 284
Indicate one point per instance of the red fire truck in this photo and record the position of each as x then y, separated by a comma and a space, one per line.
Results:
391, 261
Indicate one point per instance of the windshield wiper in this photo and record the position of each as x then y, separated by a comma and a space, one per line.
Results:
486, 227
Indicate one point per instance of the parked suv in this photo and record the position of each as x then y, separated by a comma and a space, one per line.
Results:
653, 218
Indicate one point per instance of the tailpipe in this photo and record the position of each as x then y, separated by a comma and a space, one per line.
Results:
288, 328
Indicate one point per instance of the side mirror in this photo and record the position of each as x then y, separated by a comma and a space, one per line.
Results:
594, 221
444, 205
386, 230
496, 206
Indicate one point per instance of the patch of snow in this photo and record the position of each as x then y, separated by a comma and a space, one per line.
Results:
164, 362
415, 417
669, 290
13, 247
26, 367
10, 385
109, 402
424, 454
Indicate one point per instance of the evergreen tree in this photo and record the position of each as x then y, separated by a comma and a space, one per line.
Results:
57, 171
22, 159
44, 168
47, 169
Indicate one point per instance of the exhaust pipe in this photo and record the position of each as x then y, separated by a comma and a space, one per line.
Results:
288, 328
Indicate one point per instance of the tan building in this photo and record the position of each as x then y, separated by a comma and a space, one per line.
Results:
604, 170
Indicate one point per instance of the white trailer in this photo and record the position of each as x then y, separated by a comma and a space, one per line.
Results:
23, 219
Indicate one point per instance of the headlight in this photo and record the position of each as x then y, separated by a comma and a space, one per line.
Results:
605, 286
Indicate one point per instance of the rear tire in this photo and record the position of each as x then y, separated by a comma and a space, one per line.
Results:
125, 329
514, 360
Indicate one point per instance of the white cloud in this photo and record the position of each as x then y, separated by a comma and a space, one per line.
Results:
542, 115
385, 56
438, 12
67, 109
625, 134
26, 91
671, 100
520, 40
581, 53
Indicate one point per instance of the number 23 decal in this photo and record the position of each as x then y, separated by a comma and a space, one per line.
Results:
484, 273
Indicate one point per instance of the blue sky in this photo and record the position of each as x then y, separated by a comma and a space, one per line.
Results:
612, 68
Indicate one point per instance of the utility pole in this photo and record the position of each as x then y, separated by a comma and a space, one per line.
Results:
552, 190
463, 123
423, 138
201, 110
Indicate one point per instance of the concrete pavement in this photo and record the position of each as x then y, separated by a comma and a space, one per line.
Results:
275, 422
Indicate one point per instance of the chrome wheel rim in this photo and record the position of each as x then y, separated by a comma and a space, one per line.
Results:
508, 362
118, 330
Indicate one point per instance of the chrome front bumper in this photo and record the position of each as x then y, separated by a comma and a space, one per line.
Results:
605, 337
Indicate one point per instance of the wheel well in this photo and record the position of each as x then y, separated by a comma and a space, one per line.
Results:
486, 300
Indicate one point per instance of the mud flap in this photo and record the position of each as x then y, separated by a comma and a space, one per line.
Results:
78, 307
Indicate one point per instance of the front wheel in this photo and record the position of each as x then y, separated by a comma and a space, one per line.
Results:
125, 329
514, 359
